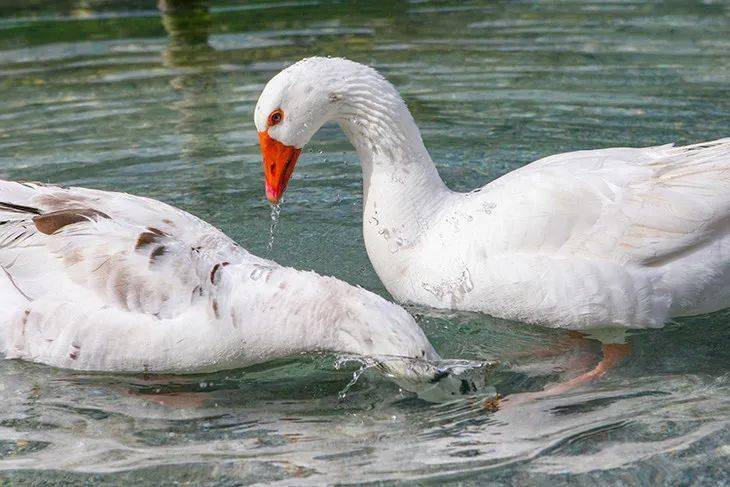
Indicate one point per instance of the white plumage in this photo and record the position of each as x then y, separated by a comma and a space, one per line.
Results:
97, 280
621, 237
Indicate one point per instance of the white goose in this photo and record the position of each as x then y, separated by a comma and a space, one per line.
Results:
97, 280
621, 237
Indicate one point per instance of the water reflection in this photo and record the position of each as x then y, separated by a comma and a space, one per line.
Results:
188, 53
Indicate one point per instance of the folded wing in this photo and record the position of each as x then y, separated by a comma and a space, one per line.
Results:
645, 206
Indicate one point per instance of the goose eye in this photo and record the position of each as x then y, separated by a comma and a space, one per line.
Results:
276, 117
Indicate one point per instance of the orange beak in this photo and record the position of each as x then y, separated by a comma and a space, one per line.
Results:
279, 162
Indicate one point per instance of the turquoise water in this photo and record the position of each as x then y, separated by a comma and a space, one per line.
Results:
158, 101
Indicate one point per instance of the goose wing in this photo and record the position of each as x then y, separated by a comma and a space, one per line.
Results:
135, 258
644, 206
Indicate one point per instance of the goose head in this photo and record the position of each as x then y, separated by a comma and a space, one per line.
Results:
298, 101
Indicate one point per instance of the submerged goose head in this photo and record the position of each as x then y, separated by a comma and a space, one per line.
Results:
300, 99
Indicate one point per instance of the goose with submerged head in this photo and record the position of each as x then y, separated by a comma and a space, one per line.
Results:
586, 240
103, 281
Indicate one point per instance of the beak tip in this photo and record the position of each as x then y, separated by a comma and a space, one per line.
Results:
272, 195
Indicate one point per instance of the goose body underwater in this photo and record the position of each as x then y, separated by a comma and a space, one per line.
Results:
105, 281
586, 240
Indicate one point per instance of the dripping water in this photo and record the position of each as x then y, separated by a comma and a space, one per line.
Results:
275, 212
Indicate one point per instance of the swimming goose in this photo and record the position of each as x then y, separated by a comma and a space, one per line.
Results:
619, 237
105, 281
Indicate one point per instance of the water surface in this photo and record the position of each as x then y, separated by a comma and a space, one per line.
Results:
158, 101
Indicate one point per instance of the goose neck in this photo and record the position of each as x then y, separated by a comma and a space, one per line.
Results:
379, 125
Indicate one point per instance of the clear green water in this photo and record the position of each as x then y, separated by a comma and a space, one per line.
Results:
114, 94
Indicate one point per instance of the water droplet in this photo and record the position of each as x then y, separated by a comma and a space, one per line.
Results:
466, 283
258, 271
488, 206
255, 274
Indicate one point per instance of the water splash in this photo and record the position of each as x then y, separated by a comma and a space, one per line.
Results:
364, 363
441, 381
275, 212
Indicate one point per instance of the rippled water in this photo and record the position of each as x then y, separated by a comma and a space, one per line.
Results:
158, 101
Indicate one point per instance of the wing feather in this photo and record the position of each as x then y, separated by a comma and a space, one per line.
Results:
121, 251
645, 206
